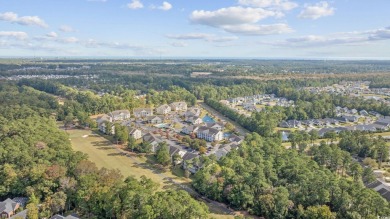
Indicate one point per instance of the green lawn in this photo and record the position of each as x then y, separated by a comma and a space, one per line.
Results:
101, 152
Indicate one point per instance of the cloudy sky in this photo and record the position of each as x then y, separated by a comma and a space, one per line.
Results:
349, 29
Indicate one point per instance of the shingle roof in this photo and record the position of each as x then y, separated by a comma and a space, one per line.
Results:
22, 214
8, 206
189, 156
118, 112
211, 131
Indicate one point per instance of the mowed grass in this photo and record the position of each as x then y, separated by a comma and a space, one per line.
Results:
101, 152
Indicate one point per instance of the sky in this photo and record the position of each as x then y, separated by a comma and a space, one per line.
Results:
296, 29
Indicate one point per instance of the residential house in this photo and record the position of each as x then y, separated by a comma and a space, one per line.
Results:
8, 208
382, 123
363, 113
381, 188
376, 114
188, 164
142, 112
195, 120
236, 139
190, 129
341, 119
209, 134
318, 122
367, 128
353, 111
155, 119
347, 119
176, 151
102, 123
135, 133
119, 115
153, 140
307, 122
20, 215
193, 111
163, 109
216, 125
323, 131
107, 130
225, 150
290, 124
179, 106
126, 123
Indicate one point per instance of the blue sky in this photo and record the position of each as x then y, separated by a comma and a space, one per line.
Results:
338, 29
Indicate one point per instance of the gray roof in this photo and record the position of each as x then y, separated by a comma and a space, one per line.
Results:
173, 150
151, 138
22, 214
211, 131
137, 110
132, 130
8, 206
164, 106
118, 112
189, 156
103, 118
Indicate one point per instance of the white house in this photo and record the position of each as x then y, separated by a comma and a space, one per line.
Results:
193, 111
102, 121
142, 112
179, 106
194, 120
135, 133
153, 140
216, 125
163, 109
106, 130
119, 115
155, 119
190, 129
209, 134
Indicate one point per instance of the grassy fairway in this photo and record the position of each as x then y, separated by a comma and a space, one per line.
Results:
101, 152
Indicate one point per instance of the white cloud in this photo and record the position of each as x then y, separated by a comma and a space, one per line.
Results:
242, 20
66, 28
14, 35
345, 38
165, 6
285, 5
25, 20
179, 44
251, 29
69, 40
321, 9
52, 35
135, 4
231, 16
203, 36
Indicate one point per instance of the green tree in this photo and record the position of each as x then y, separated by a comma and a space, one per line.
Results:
162, 154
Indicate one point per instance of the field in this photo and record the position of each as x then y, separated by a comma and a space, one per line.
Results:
103, 153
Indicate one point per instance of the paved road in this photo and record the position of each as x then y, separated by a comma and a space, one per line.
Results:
239, 128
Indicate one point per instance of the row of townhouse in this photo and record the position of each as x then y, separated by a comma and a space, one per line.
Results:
209, 132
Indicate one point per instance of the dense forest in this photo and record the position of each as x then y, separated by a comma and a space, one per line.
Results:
268, 180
